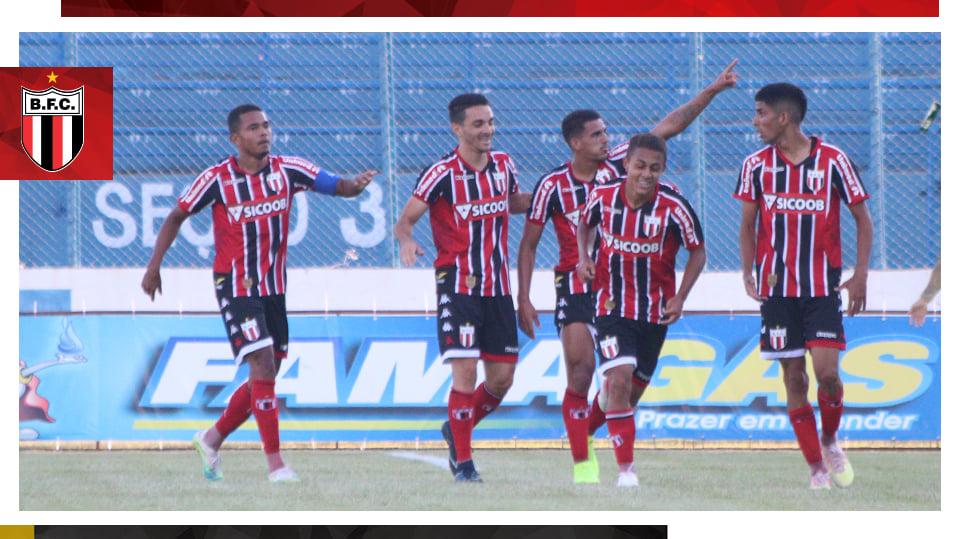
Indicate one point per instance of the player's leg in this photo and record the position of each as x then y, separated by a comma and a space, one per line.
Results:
458, 430
782, 338
617, 340
579, 361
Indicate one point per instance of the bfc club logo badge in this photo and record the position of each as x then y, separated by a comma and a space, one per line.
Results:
52, 126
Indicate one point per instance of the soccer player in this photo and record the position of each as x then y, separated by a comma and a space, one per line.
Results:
469, 193
918, 311
250, 195
642, 225
795, 184
559, 196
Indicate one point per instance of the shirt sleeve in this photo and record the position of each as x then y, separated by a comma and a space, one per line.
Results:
202, 192
542, 206
591, 213
686, 219
747, 190
846, 180
433, 183
306, 176
512, 177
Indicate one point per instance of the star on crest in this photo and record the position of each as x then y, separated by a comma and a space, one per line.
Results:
51, 77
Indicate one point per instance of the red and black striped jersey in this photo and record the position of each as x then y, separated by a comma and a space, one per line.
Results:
635, 274
798, 239
469, 215
251, 219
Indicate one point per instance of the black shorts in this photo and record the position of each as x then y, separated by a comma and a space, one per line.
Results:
791, 325
475, 326
571, 307
625, 341
253, 322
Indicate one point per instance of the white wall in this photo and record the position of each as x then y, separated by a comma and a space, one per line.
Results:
393, 290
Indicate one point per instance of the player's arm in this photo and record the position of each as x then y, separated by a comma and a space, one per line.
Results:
586, 268
748, 247
519, 202
526, 258
918, 311
168, 233
674, 307
856, 285
403, 231
351, 187
680, 118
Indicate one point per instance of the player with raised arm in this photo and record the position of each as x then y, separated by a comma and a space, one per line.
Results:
470, 193
642, 225
559, 196
918, 311
795, 185
250, 195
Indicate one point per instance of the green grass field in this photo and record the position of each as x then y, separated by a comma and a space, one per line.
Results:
514, 480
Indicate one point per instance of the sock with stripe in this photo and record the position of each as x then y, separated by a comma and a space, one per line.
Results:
484, 403
576, 417
623, 432
831, 409
263, 401
805, 428
460, 412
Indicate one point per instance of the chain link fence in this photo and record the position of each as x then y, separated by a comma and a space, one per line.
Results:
352, 101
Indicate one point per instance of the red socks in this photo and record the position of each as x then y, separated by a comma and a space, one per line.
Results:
484, 403
805, 427
831, 408
623, 432
597, 417
576, 417
263, 401
460, 411
237, 412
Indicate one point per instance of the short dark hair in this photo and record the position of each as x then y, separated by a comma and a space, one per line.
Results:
574, 123
233, 119
784, 93
648, 141
458, 106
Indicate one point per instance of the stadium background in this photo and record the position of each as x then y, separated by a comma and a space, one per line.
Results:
351, 101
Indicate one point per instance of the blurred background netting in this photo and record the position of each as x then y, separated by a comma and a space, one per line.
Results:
352, 101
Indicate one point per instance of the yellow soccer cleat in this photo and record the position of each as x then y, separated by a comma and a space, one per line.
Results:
583, 472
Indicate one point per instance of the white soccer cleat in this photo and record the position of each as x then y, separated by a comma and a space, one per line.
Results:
820, 480
283, 475
628, 478
209, 457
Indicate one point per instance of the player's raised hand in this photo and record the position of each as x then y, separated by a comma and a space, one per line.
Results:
527, 318
727, 78
856, 287
750, 285
409, 252
918, 313
363, 179
151, 283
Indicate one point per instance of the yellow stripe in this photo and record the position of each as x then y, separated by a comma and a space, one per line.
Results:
347, 425
16, 532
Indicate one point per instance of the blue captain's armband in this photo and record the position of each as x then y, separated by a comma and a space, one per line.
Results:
326, 182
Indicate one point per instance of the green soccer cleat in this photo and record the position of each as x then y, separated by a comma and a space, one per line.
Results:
583, 472
210, 458
841, 472
592, 458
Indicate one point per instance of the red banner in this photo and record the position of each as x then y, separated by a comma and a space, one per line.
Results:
502, 8
56, 123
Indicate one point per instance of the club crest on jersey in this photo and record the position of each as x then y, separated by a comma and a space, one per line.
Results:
651, 225
51, 126
467, 334
778, 338
815, 180
275, 181
610, 347
250, 329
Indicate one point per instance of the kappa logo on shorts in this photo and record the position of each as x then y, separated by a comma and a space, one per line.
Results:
445, 314
561, 315
610, 347
562, 302
778, 338
467, 333
444, 299
447, 328
251, 330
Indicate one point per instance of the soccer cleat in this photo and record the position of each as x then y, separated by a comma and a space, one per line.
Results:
841, 472
448, 437
820, 480
628, 478
209, 456
466, 473
583, 472
283, 475
592, 458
